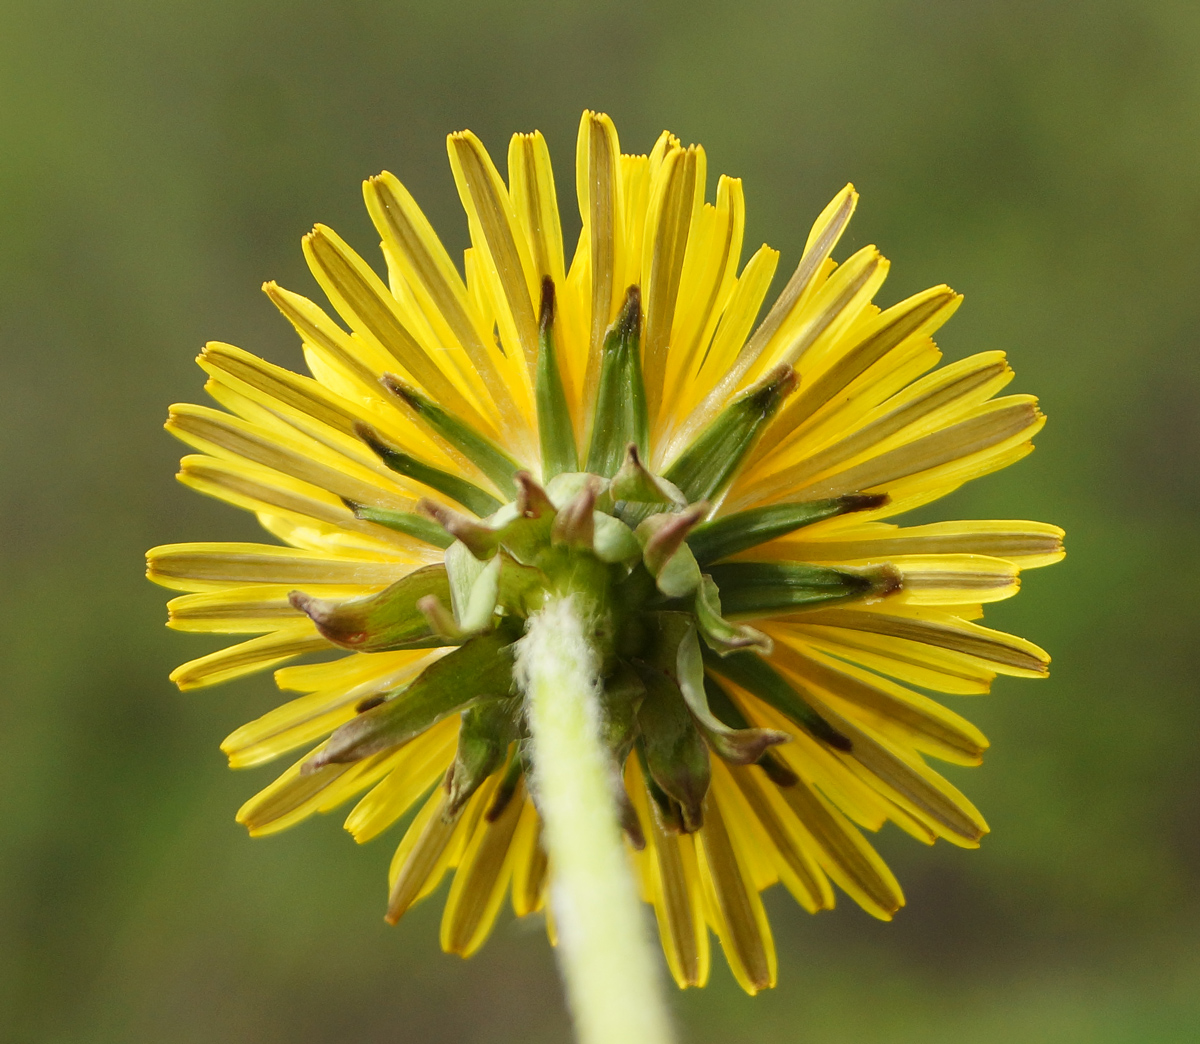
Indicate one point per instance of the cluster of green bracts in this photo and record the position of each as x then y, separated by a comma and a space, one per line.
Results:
667, 609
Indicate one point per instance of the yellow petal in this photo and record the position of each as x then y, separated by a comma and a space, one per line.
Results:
844, 411
709, 270
938, 400
954, 579
276, 388
529, 863
247, 657
301, 721
740, 312
798, 869
422, 762
481, 880
349, 670
602, 241
843, 852
422, 857
296, 431
831, 313
295, 796
311, 535
822, 238
310, 434
905, 779
428, 850
502, 250
943, 631
358, 362
635, 190
756, 847
970, 444
676, 195
221, 435
910, 662
211, 566
899, 713
412, 245
675, 883
700, 402
911, 321
1028, 545
244, 610
362, 299
531, 185
814, 762
740, 921
258, 489
457, 324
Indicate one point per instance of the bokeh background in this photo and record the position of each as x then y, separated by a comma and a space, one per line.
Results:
159, 161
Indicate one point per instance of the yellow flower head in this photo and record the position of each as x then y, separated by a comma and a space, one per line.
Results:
623, 429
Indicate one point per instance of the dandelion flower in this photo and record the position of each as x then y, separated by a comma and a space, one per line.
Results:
618, 426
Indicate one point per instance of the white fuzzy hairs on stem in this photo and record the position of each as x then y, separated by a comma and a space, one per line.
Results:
614, 980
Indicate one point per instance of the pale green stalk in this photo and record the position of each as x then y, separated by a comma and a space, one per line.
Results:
614, 982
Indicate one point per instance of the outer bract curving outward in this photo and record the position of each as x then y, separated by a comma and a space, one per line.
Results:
621, 429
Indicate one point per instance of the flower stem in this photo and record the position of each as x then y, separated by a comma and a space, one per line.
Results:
614, 983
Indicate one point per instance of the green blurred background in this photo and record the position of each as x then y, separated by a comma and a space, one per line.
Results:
158, 161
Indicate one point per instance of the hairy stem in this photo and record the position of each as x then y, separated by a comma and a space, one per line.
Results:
614, 983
